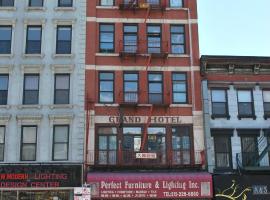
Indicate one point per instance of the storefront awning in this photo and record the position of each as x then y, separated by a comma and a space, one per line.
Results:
150, 185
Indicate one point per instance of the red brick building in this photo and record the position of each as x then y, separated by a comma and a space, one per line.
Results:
143, 100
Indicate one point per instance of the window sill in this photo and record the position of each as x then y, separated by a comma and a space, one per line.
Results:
178, 56
33, 55
64, 8
59, 106
29, 106
220, 116
176, 8
35, 8
5, 106
181, 105
107, 54
63, 55
107, 104
247, 116
107, 7
8, 8
6, 55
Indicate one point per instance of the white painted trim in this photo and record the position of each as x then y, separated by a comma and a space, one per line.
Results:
107, 54
107, 7
138, 20
62, 69
6, 69
178, 56
136, 68
31, 68
29, 119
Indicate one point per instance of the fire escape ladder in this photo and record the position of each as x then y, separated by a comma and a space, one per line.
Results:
148, 62
147, 13
263, 153
145, 129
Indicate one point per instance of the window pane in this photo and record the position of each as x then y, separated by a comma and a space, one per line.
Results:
130, 29
60, 151
153, 29
155, 77
130, 77
112, 143
28, 152
266, 96
157, 130
106, 97
177, 29
30, 97
34, 33
107, 28
102, 157
155, 88
62, 82
3, 82
61, 133
106, 37
177, 38
5, 33
219, 108
132, 130
178, 49
29, 134
2, 134
223, 160
179, 97
176, 3
245, 108
179, 87
3, 97
102, 142
244, 96
106, 86
106, 76
222, 151
107, 130
218, 96
36, 3
65, 3
131, 87
106, 2
64, 33
7, 3
31, 82
61, 97
2, 151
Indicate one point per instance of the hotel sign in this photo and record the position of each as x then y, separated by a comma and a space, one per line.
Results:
143, 119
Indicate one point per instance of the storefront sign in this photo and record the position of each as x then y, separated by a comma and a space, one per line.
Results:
150, 185
255, 187
40, 176
153, 119
82, 193
146, 155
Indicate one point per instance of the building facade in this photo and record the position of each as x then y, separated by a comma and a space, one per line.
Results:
42, 75
236, 99
143, 101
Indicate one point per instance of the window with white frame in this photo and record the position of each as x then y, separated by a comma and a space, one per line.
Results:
5, 39
2, 142
6, 3
28, 143
33, 39
62, 89
3, 89
245, 103
266, 103
63, 40
219, 102
106, 2
35, 3
60, 142
31, 89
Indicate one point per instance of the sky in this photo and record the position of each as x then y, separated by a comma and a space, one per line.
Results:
234, 27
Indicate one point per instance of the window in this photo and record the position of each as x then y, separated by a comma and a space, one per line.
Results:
154, 39
60, 142
31, 89
176, 3
6, 3
5, 39
130, 38
106, 36
177, 39
28, 143
35, 3
131, 87
155, 87
65, 3
181, 145
63, 43
266, 103
245, 103
106, 87
179, 87
61, 90
219, 102
223, 155
153, 2
107, 146
3, 89
157, 143
249, 150
268, 142
106, 2
33, 41
2, 142
132, 137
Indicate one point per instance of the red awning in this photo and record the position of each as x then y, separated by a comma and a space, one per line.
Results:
150, 185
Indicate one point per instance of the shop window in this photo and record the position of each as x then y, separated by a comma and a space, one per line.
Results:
106, 87
35, 3
249, 150
176, 3
60, 142
131, 87
2, 142
223, 155
155, 88
64, 37
181, 146
3, 89
179, 87
106, 37
245, 103
31, 89
107, 146
130, 38
28, 143
5, 39
6, 3
219, 103
157, 143
154, 39
266, 103
177, 39
33, 40
65, 3
106, 2
132, 137
61, 89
